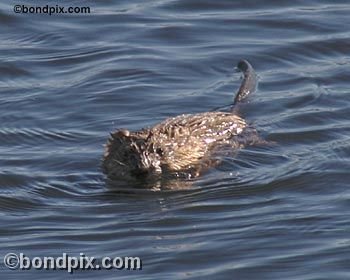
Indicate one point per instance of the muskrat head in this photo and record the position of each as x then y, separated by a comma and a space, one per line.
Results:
131, 155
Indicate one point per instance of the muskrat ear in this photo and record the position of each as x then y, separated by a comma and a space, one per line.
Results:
121, 133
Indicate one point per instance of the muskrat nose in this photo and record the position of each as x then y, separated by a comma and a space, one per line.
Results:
140, 172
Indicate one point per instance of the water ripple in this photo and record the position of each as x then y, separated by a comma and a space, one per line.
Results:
272, 211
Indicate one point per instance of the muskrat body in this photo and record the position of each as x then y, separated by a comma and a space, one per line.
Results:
183, 146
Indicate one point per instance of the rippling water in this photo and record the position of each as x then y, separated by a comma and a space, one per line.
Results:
272, 212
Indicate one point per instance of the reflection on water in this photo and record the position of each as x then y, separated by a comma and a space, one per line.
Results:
270, 212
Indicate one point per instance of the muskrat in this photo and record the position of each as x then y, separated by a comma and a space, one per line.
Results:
179, 147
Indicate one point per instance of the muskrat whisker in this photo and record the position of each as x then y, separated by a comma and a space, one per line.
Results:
117, 161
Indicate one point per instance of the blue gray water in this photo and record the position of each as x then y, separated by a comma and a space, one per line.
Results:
271, 212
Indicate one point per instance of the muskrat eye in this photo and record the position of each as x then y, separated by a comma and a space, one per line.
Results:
159, 151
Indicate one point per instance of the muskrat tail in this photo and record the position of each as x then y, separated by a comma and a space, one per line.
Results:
249, 82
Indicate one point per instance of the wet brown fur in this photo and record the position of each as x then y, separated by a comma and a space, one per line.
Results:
182, 146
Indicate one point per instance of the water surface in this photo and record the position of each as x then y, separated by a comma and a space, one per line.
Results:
271, 212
